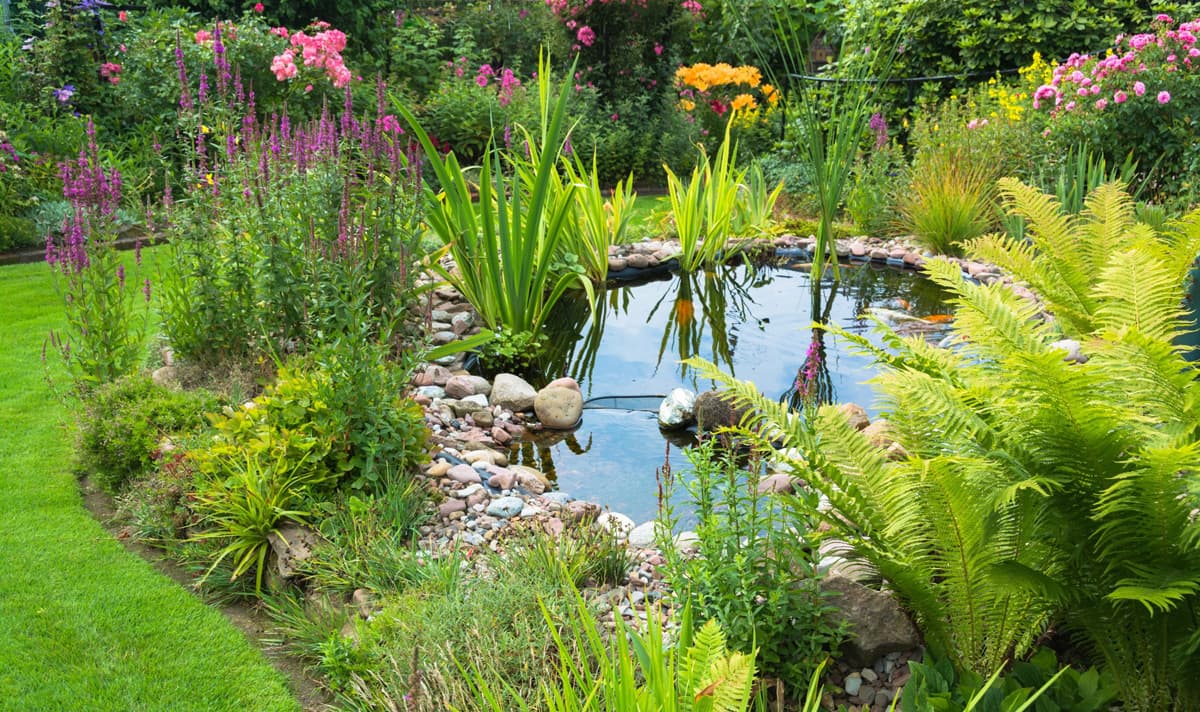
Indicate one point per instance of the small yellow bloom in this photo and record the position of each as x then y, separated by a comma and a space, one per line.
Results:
687, 104
208, 177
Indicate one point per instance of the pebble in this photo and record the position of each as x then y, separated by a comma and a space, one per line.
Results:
852, 684
465, 474
506, 507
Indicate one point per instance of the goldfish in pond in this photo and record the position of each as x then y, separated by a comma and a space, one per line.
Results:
940, 318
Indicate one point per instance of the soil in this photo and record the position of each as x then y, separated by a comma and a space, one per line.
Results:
252, 622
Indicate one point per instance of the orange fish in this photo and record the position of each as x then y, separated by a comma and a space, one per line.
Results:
939, 318
904, 304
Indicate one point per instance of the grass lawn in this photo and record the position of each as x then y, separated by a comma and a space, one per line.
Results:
86, 624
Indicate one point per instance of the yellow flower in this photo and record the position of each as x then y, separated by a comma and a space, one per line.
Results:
204, 129
208, 177
687, 104
770, 94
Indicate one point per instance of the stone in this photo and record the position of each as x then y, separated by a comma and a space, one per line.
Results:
437, 468
525, 473
879, 255
512, 392
878, 625
852, 684
166, 376
687, 542
616, 264
461, 322
465, 474
530, 511
559, 499
364, 601
440, 338
463, 386
479, 400
880, 433
777, 483
678, 409
503, 480
437, 375
558, 407
1073, 350
856, 415
534, 483
869, 674
432, 392
564, 382
615, 522
639, 261
858, 249
716, 409
484, 419
506, 507
467, 491
642, 536
292, 544
490, 457
451, 506
500, 435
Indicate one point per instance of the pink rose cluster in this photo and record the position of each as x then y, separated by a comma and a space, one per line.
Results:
322, 50
1084, 80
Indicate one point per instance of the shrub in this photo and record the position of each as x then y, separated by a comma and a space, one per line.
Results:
1139, 100
947, 201
754, 571
124, 422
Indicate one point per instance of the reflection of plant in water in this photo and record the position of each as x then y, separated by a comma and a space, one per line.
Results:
719, 293
537, 452
813, 385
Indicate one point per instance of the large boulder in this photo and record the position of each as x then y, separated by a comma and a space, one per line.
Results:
677, 410
856, 415
512, 392
558, 407
717, 409
878, 625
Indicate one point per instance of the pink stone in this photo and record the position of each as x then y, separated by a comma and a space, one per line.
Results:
451, 506
465, 474
564, 383
500, 435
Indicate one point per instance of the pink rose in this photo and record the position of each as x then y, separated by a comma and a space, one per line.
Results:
1164, 97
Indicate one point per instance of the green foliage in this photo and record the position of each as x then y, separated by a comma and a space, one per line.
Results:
512, 352
877, 176
124, 422
505, 244
754, 211
367, 538
244, 502
948, 201
755, 569
332, 420
1038, 684
600, 222
1029, 478
581, 555
703, 208
635, 671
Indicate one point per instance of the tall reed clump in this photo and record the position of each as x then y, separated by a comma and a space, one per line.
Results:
106, 308
703, 207
948, 201
291, 233
506, 231
1041, 482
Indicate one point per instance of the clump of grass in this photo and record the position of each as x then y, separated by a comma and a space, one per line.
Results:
948, 201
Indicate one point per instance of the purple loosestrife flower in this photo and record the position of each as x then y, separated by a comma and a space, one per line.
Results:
146, 288
878, 124
202, 95
121, 275
185, 96
806, 381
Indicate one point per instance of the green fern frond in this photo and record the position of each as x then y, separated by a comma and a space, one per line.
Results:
1108, 215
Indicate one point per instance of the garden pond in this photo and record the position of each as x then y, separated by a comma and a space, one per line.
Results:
753, 320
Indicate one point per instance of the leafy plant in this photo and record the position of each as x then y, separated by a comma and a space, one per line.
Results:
247, 502
755, 570
504, 246
703, 208
697, 674
123, 423
511, 352
601, 223
755, 208
581, 555
949, 200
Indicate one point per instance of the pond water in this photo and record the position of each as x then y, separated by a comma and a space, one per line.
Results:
754, 321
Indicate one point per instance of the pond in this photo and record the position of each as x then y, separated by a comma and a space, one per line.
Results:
752, 320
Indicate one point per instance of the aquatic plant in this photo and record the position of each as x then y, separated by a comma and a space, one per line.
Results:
703, 207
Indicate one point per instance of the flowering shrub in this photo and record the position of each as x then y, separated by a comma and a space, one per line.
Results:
321, 51
1141, 97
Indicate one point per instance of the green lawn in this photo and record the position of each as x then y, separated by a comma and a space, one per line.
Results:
84, 624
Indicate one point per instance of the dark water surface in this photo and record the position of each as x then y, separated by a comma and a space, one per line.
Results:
753, 321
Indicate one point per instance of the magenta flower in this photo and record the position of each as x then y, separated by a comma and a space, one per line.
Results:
586, 36
1101, 104
1164, 97
1120, 97
1139, 88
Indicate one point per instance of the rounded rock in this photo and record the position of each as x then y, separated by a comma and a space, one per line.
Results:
513, 392
558, 407
506, 507
678, 409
